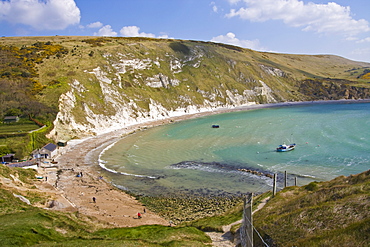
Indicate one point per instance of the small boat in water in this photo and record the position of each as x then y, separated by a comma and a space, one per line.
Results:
215, 126
285, 148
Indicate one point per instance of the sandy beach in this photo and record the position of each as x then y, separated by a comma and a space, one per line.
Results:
78, 180
92, 195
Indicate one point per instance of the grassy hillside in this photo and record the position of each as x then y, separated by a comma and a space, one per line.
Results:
333, 213
201, 66
97, 82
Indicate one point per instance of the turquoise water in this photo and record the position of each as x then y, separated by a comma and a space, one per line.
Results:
191, 157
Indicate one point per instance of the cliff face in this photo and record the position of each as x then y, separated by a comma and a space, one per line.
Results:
100, 84
329, 89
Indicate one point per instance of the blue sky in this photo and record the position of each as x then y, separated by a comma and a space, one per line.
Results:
335, 27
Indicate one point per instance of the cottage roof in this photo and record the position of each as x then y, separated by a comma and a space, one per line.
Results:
50, 146
8, 155
10, 117
22, 164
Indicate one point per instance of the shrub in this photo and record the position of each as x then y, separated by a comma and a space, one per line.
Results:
311, 186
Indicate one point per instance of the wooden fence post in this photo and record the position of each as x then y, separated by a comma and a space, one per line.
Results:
285, 180
246, 229
274, 185
249, 225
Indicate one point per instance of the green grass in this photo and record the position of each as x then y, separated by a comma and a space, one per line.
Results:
356, 234
37, 227
163, 235
18, 127
25, 175
17, 137
182, 208
215, 223
23, 143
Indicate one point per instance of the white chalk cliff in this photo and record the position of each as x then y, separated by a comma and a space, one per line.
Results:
138, 83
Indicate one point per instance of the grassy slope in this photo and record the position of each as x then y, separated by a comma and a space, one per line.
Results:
223, 65
37, 227
333, 213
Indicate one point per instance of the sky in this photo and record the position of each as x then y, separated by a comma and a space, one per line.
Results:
337, 27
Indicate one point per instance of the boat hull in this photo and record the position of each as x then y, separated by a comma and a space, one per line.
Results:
285, 148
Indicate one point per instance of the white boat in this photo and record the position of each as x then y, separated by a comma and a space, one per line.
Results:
285, 148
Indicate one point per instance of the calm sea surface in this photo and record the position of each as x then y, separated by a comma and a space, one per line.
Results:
192, 157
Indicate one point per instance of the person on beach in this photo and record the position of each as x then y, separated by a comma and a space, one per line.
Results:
94, 200
139, 215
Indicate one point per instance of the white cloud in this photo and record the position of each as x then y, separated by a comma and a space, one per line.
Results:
214, 7
364, 40
322, 18
133, 31
97, 24
106, 31
41, 15
231, 39
164, 36
233, 1
128, 31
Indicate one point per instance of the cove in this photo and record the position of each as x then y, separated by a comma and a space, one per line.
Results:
191, 157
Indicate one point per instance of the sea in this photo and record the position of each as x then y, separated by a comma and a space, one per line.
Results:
192, 158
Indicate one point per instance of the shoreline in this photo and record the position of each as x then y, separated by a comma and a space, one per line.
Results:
112, 204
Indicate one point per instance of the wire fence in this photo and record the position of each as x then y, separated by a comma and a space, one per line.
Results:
247, 228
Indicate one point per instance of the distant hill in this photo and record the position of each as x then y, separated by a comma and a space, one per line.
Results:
85, 85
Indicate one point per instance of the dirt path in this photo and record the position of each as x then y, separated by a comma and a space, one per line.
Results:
226, 238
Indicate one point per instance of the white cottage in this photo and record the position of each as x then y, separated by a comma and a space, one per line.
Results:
48, 151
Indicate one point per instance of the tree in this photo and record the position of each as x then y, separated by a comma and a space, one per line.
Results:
4, 150
13, 112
